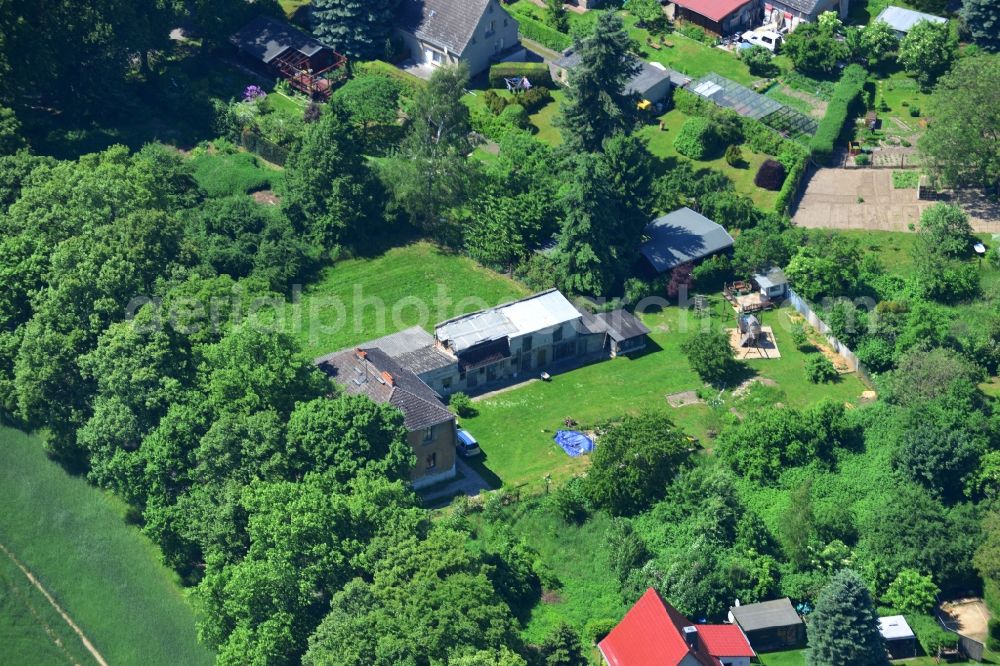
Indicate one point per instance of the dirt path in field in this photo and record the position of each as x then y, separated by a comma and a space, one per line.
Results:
69, 621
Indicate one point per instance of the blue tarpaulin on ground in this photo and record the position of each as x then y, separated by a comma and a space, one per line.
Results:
574, 443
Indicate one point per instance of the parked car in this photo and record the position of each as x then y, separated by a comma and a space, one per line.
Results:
467, 445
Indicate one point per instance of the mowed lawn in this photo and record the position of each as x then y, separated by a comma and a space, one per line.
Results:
105, 574
661, 144
415, 285
515, 427
689, 56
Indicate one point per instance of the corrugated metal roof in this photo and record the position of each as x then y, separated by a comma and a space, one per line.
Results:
535, 313
903, 20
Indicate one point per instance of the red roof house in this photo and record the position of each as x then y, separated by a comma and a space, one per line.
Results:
722, 17
654, 632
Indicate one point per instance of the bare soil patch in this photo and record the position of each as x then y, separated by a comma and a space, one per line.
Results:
683, 399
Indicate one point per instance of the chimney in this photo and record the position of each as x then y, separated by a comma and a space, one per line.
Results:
360, 353
691, 637
388, 378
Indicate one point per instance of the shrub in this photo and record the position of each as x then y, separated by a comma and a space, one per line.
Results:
930, 634
845, 99
819, 370
734, 156
516, 115
864, 159
993, 257
758, 60
596, 630
692, 105
461, 405
536, 72
993, 636
915, 111
711, 356
761, 138
570, 502
696, 139
534, 99
494, 102
770, 176
224, 174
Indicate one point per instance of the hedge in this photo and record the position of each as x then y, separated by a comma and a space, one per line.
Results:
537, 72
411, 83
845, 98
795, 158
930, 634
541, 33
697, 138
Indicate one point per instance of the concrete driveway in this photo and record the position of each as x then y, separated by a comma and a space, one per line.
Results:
831, 201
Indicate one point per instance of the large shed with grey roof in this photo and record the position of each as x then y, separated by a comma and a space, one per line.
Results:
680, 237
446, 32
770, 625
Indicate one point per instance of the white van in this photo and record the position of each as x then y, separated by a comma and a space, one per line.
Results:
769, 39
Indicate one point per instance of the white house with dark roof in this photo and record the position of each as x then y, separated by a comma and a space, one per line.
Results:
446, 32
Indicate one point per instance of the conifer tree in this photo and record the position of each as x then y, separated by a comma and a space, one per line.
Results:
596, 104
355, 28
844, 627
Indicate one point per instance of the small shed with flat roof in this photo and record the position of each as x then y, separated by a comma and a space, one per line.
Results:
680, 237
770, 625
900, 641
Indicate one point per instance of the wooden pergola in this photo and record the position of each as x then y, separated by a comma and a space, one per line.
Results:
295, 68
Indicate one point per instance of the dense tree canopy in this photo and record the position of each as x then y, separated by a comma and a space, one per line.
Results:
963, 141
927, 51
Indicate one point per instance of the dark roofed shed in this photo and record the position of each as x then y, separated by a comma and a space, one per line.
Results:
770, 625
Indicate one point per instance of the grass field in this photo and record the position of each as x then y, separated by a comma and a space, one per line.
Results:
661, 144
515, 427
418, 284
104, 573
689, 56
542, 121
576, 556
241, 173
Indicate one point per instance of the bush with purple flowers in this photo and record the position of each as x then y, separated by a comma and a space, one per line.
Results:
253, 92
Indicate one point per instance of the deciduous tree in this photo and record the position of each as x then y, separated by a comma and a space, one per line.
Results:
927, 51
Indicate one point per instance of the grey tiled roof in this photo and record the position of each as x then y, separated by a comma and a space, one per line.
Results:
266, 38
421, 406
447, 23
807, 7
